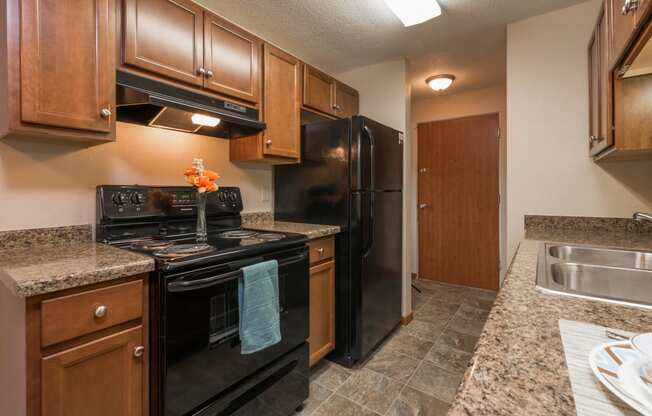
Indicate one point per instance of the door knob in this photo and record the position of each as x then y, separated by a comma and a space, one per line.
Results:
139, 351
268, 142
422, 206
105, 113
100, 311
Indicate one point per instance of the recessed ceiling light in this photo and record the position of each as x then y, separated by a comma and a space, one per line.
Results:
440, 82
413, 12
204, 120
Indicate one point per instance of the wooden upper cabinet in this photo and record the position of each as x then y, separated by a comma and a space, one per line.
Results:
346, 101
67, 64
165, 37
600, 131
318, 90
231, 59
622, 27
282, 105
100, 378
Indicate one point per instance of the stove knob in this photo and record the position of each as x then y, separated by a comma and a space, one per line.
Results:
222, 196
233, 196
137, 198
118, 198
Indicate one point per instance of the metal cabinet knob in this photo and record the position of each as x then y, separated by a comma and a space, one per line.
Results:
100, 311
422, 206
105, 113
268, 142
595, 139
320, 250
423, 170
337, 107
630, 6
201, 71
139, 351
209, 74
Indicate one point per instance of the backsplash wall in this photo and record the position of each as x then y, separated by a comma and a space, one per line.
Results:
53, 184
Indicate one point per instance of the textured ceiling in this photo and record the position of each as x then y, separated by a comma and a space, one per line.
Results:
468, 40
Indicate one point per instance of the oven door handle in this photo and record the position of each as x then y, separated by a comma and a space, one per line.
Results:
184, 286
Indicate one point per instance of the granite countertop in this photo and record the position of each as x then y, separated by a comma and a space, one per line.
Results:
34, 263
312, 231
519, 367
264, 221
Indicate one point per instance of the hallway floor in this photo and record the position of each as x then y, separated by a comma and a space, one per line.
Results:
418, 369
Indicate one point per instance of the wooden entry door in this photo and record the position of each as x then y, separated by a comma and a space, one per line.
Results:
459, 201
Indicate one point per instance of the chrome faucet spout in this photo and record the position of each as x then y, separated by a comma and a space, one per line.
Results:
642, 216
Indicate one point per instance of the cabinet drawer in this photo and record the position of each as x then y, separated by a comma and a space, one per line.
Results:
322, 249
75, 315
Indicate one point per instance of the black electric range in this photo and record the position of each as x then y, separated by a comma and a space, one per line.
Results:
195, 361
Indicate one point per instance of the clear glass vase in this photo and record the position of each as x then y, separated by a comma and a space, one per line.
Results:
202, 233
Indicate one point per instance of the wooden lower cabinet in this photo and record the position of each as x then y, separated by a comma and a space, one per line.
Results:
100, 378
98, 366
322, 301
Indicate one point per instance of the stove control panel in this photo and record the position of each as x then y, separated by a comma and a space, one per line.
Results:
134, 201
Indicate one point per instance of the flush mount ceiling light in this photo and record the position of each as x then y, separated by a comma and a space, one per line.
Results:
204, 120
440, 82
413, 12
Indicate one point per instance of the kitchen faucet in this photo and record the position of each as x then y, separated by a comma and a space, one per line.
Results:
641, 216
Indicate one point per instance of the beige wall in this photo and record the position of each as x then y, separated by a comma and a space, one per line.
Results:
548, 168
385, 97
50, 184
482, 101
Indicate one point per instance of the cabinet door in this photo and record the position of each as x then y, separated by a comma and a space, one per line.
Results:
346, 101
67, 70
165, 37
318, 90
623, 23
100, 378
322, 311
282, 104
231, 59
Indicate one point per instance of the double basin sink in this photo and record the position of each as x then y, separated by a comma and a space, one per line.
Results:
602, 274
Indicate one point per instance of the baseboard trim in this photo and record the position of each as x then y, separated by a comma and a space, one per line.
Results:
407, 319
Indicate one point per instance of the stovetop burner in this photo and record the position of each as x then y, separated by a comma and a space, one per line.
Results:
150, 245
270, 236
182, 250
238, 234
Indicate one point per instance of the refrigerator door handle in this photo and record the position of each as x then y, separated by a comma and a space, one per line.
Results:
372, 157
372, 221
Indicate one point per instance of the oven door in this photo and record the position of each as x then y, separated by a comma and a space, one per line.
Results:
201, 345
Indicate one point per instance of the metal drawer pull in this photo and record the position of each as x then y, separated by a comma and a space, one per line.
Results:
139, 351
100, 311
320, 250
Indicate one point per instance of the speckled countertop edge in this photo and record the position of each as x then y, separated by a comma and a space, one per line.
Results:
39, 261
519, 367
264, 221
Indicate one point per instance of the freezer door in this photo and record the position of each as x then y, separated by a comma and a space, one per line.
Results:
376, 156
378, 276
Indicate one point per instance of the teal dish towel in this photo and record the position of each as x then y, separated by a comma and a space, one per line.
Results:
260, 321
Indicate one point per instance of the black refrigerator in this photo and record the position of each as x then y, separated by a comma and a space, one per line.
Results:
351, 175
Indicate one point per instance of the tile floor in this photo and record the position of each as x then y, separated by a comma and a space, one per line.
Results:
418, 369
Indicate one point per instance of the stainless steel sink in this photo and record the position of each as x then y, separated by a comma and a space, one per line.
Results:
602, 256
602, 274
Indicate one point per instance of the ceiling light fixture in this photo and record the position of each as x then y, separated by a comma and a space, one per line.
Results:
440, 82
413, 12
204, 120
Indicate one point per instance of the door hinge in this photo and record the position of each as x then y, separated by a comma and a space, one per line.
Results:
401, 137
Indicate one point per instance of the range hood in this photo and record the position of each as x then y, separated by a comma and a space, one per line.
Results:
151, 103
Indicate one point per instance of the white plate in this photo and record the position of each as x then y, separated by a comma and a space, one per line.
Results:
606, 361
629, 375
643, 343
